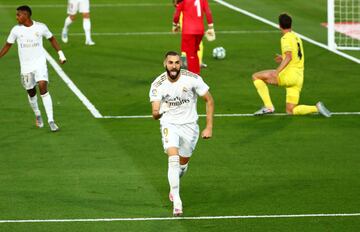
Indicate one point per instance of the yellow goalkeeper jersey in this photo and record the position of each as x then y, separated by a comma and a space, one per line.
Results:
291, 42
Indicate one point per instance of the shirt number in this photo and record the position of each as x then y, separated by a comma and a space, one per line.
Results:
299, 51
198, 7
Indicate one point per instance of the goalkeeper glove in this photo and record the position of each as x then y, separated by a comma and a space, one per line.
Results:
210, 33
175, 27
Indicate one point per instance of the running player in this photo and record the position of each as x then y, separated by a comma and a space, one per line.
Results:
74, 6
173, 96
289, 74
28, 34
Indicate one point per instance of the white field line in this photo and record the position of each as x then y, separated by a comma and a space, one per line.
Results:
226, 115
168, 33
72, 86
261, 19
92, 5
181, 218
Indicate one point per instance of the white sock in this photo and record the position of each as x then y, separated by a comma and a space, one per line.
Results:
87, 28
34, 105
173, 177
46, 98
67, 23
183, 169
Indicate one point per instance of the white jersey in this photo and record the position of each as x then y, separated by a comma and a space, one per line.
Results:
30, 45
181, 96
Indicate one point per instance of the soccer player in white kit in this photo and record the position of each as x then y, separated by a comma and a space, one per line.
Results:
74, 6
173, 96
28, 35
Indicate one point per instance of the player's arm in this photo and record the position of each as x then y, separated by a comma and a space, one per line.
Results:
56, 46
5, 49
176, 18
209, 101
285, 61
156, 110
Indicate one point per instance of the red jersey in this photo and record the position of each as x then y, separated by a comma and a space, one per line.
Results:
193, 11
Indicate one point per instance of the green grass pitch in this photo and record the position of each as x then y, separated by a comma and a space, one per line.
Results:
115, 168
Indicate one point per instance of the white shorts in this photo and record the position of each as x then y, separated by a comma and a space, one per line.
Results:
184, 137
29, 80
74, 6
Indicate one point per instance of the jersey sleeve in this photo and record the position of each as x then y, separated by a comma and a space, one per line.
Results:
12, 36
286, 44
207, 11
179, 8
46, 32
200, 86
154, 94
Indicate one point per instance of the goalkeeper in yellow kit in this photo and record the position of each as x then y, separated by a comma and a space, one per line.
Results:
289, 74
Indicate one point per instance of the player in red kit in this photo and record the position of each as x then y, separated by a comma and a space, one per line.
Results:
193, 28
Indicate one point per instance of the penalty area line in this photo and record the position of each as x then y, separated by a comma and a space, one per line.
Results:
181, 218
72, 86
226, 115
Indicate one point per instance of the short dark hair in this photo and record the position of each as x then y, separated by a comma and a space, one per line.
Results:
285, 21
25, 8
171, 53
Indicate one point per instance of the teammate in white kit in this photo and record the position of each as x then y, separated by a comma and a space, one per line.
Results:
173, 96
28, 35
74, 6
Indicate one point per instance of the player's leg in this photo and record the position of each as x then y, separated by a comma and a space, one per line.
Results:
84, 8
48, 105
71, 11
41, 77
201, 55
170, 141
29, 83
260, 79
184, 164
292, 100
191, 53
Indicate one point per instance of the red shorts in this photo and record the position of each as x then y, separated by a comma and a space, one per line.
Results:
190, 43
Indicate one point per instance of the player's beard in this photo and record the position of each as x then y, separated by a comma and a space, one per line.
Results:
173, 73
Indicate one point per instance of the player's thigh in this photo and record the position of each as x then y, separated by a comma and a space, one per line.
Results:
73, 7
189, 135
84, 6
42, 78
169, 137
188, 43
198, 40
28, 80
290, 78
269, 76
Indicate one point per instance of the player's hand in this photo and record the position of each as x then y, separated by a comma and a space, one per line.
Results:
206, 133
278, 58
164, 107
62, 58
210, 33
175, 27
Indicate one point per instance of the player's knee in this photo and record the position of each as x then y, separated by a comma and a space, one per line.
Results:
72, 17
86, 15
255, 77
290, 110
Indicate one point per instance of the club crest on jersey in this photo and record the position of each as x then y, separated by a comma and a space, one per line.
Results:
185, 89
37, 34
